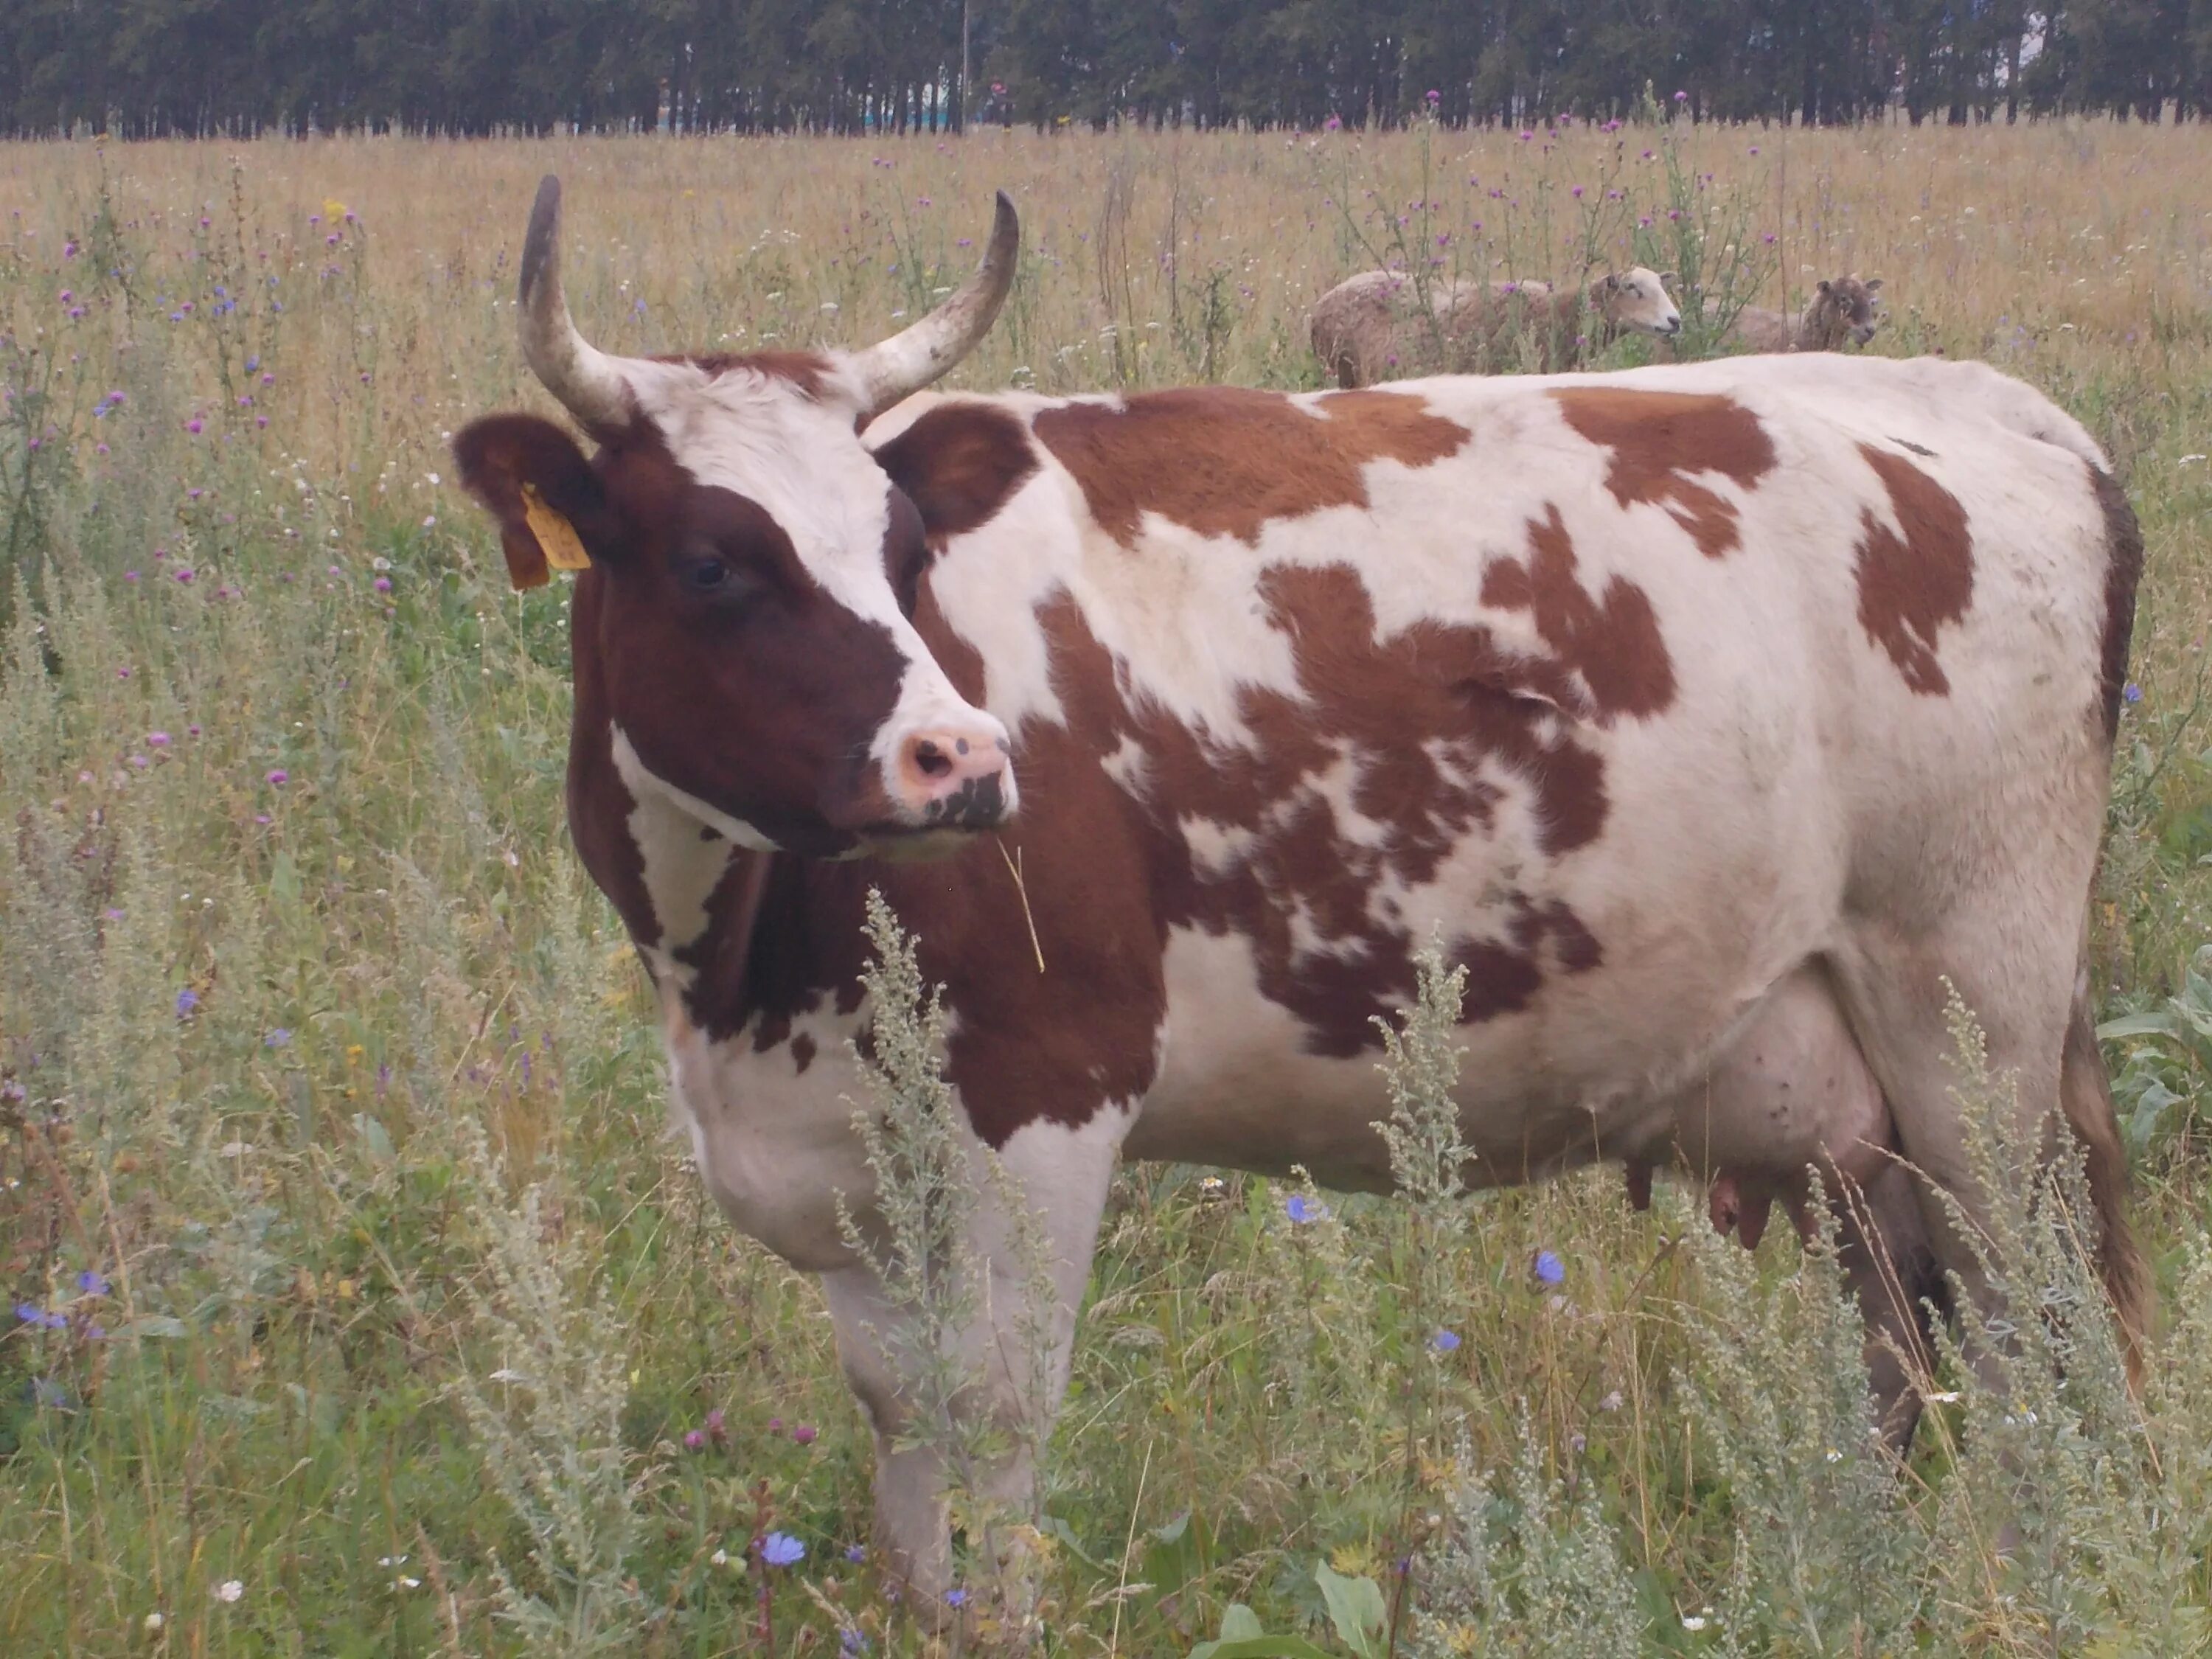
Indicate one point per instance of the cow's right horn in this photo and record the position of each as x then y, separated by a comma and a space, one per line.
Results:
915, 356
585, 378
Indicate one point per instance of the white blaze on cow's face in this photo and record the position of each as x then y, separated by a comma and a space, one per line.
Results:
1637, 298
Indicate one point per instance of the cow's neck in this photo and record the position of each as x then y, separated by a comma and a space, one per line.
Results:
731, 937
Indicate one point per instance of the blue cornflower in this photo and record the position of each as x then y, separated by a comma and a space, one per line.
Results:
856, 1553
29, 1314
92, 1284
2133, 693
851, 1642
955, 1598
1444, 1341
781, 1549
278, 1038
187, 1000
1301, 1209
1548, 1268
252, 364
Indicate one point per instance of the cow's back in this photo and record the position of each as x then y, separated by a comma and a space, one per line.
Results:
1625, 687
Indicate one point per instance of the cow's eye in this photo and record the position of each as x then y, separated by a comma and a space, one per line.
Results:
716, 579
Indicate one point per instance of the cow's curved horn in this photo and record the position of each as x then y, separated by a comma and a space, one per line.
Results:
585, 378
915, 356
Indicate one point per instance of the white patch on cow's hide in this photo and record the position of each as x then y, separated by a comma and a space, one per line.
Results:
1130, 767
775, 1144
642, 781
1215, 849
680, 870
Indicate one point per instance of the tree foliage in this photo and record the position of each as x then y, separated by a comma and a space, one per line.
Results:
158, 67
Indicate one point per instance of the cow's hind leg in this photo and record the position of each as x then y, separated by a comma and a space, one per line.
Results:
2017, 980
1008, 1361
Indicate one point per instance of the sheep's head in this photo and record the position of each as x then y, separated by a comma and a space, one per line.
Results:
1845, 309
1637, 298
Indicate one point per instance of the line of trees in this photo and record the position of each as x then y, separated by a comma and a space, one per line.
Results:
197, 67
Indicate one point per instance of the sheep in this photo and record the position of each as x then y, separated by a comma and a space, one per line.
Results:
1841, 313
1370, 328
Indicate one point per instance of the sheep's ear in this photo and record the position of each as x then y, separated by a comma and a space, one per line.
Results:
1823, 286
1874, 285
1611, 282
1666, 279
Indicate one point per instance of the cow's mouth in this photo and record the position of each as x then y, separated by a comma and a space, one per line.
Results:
900, 843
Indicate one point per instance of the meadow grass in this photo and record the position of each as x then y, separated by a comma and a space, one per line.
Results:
363, 1304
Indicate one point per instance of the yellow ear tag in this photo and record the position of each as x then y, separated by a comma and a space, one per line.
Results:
557, 537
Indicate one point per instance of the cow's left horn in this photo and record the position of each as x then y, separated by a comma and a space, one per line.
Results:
911, 358
585, 378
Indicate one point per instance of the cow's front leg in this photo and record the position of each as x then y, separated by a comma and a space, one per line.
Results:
1011, 1353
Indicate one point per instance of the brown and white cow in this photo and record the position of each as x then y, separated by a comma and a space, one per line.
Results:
1716, 716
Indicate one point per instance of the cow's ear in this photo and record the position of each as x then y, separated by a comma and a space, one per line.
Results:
959, 464
537, 483
1874, 285
1824, 287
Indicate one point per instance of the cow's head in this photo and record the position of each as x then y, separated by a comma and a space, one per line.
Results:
748, 573
1845, 309
1637, 300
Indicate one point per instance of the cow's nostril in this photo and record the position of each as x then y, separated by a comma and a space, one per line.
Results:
931, 761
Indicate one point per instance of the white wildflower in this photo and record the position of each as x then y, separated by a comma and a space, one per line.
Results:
230, 1590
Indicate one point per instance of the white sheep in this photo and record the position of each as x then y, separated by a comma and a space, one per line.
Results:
1371, 327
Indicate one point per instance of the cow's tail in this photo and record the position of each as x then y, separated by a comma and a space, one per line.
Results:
2084, 1093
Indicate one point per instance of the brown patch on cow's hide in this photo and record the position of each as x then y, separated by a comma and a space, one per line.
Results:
1225, 461
2124, 563
802, 1053
809, 371
1661, 440
1612, 643
1429, 726
959, 464
1913, 578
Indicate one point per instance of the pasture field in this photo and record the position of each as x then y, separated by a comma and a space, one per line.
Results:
360, 1303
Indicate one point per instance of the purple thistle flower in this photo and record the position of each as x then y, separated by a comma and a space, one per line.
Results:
278, 777
157, 739
805, 1434
382, 584
694, 1440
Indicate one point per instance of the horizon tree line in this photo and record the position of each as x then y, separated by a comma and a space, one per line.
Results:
191, 68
